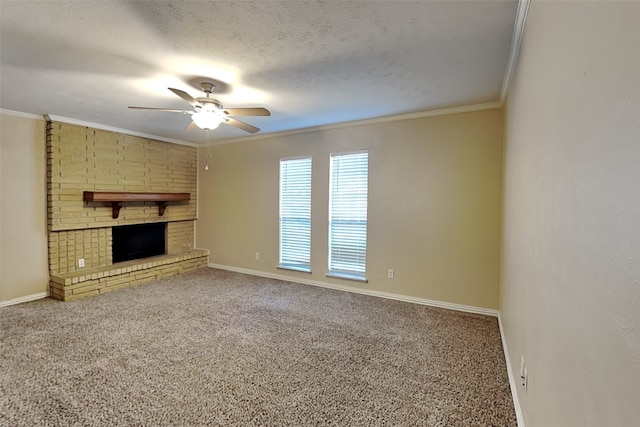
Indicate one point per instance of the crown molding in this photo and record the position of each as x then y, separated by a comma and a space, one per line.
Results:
51, 117
516, 41
384, 119
21, 114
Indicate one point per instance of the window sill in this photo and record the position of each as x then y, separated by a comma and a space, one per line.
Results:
347, 276
300, 268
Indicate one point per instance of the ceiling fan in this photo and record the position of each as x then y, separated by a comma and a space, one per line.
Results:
208, 113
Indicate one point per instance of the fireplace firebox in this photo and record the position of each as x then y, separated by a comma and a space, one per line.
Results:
138, 241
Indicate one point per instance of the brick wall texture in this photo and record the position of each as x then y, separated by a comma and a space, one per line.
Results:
82, 159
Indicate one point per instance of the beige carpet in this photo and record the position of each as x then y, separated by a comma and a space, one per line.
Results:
219, 348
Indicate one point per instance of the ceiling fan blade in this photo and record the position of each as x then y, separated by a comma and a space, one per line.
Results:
192, 126
247, 111
184, 95
160, 109
241, 125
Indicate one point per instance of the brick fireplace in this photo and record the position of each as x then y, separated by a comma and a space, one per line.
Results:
82, 159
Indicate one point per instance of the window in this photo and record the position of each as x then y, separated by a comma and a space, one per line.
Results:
295, 214
348, 187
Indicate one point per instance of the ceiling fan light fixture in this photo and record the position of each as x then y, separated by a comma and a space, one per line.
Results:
208, 113
207, 120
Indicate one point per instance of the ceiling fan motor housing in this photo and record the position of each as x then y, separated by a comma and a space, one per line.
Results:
207, 87
208, 104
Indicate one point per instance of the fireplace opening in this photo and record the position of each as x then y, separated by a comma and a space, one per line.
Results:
138, 241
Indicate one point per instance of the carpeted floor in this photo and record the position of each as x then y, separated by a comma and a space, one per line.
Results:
219, 348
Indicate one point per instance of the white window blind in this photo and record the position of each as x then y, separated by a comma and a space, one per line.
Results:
348, 189
295, 214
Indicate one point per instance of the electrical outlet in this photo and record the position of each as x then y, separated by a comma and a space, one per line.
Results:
80, 262
257, 256
390, 273
524, 374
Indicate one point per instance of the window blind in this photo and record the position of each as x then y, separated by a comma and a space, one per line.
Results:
348, 190
295, 213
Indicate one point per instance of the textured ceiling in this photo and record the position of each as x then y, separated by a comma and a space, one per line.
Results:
310, 63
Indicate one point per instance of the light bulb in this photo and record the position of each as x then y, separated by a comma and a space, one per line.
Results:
207, 119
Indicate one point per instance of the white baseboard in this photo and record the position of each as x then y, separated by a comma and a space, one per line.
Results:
512, 379
25, 298
388, 295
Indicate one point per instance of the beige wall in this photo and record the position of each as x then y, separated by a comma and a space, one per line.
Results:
570, 298
434, 204
23, 221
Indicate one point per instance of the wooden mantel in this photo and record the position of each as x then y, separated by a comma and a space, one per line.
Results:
117, 198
